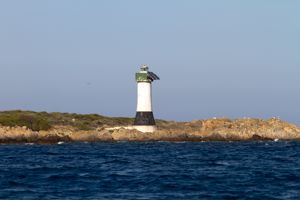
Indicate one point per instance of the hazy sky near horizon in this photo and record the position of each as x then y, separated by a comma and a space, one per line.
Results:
215, 58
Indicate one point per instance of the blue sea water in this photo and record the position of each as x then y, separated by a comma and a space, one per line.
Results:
161, 170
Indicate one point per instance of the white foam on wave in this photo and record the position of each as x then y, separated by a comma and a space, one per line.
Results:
224, 163
83, 174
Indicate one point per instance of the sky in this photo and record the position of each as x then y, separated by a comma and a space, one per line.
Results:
215, 58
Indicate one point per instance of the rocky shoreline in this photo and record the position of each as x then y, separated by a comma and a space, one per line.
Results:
201, 130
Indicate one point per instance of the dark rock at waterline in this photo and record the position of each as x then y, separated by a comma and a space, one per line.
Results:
260, 138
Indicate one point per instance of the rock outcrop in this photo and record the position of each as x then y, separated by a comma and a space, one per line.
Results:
202, 130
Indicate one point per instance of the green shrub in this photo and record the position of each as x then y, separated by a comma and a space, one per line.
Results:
31, 121
44, 121
34, 122
83, 127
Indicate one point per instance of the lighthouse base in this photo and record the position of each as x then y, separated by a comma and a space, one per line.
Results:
146, 129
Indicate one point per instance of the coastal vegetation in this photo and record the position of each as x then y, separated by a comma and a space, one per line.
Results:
38, 121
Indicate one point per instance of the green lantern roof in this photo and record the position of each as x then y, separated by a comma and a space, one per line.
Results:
144, 75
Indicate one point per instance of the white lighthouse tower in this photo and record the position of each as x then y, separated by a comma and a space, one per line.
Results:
144, 120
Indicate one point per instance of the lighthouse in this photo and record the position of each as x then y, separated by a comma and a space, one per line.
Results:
144, 119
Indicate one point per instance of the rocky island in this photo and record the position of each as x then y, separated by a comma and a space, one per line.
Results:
42, 127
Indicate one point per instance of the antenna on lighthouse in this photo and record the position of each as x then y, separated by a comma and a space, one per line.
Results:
144, 68
144, 119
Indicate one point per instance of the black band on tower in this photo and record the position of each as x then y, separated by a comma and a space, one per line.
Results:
144, 119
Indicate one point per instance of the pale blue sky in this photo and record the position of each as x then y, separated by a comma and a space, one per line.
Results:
215, 58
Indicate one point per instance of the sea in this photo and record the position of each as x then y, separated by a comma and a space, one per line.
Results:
151, 170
